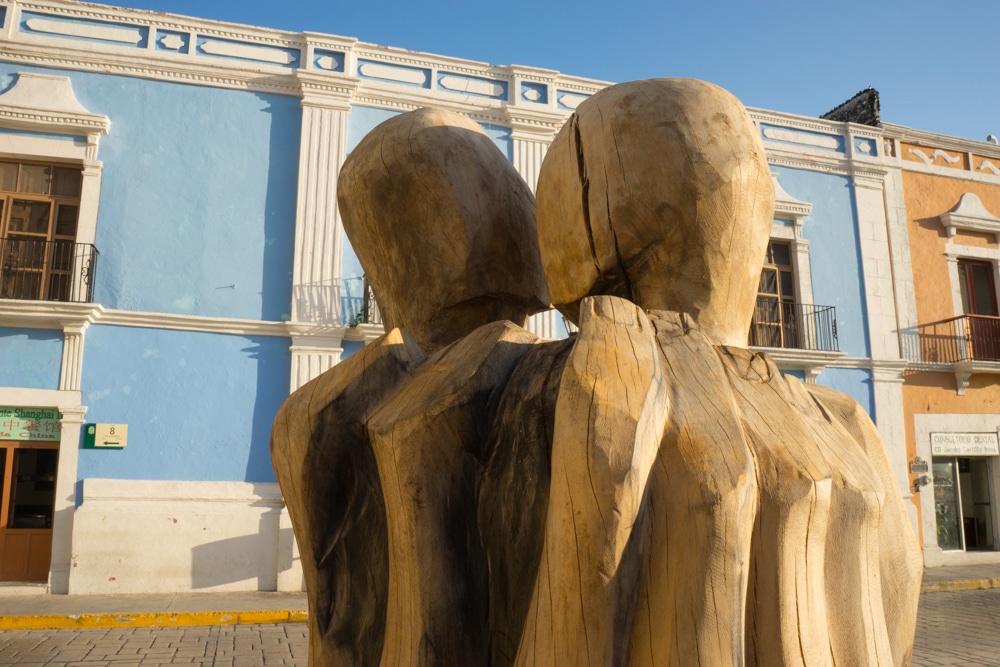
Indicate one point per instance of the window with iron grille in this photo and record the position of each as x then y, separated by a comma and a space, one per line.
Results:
774, 319
39, 209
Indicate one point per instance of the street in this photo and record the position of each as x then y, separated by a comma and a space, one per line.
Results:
953, 628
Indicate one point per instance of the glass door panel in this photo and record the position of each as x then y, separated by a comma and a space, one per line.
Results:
33, 492
982, 505
946, 505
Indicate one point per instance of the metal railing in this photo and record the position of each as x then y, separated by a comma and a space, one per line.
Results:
794, 325
38, 270
357, 303
962, 338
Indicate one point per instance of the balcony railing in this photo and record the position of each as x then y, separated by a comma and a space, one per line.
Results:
38, 270
357, 303
962, 338
794, 325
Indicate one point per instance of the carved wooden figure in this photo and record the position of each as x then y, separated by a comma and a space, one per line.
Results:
648, 492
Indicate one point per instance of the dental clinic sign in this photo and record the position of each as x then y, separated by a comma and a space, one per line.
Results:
30, 424
965, 444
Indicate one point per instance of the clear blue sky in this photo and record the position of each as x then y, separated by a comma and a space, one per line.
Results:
933, 62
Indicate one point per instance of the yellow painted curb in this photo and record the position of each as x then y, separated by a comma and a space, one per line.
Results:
959, 585
150, 620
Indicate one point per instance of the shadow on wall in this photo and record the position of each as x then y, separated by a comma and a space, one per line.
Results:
279, 211
238, 559
274, 368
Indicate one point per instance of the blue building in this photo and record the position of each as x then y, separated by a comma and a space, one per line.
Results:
173, 265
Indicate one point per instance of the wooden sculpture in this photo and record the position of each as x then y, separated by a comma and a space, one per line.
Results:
647, 492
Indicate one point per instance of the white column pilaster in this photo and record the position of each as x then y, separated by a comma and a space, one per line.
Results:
876, 264
65, 497
315, 326
531, 133
72, 356
315, 350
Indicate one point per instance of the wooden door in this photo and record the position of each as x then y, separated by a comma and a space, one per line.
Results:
27, 501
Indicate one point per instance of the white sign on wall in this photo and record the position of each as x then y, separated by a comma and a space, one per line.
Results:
965, 444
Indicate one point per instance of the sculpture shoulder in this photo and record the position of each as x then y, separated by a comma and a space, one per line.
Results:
395, 349
848, 412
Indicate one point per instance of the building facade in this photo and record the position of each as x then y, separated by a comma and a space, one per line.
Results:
945, 202
174, 265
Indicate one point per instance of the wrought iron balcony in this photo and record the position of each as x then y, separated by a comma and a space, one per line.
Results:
357, 303
794, 325
39, 270
962, 338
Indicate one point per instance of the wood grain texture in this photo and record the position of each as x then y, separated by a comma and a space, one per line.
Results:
768, 529
658, 191
327, 472
443, 225
645, 493
430, 440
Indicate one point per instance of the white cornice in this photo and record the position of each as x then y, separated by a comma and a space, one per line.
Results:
161, 68
366, 333
812, 362
810, 123
943, 141
325, 91
47, 314
57, 315
220, 325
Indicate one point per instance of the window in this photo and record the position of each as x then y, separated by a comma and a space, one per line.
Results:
979, 303
979, 294
774, 322
39, 210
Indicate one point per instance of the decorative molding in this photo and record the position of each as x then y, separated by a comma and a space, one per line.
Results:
785, 205
987, 165
970, 214
411, 76
131, 36
140, 64
794, 136
58, 315
243, 51
811, 362
469, 85
938, 153
196, 323
323, 91
810, 124
45, 103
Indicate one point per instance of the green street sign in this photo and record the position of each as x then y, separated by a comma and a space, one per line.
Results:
105, 436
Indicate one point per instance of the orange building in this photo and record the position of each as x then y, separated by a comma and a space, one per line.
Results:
943, 210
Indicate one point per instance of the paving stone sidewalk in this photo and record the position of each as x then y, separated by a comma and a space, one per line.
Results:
953, 628
215, 646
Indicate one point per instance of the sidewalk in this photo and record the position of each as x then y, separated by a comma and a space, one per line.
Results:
960, 578
28, 612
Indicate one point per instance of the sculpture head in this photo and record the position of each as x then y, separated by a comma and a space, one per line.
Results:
443, 225
658, 191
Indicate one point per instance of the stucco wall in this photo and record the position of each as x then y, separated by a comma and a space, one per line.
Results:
199, 406
197, 210
831, 229
30, 358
